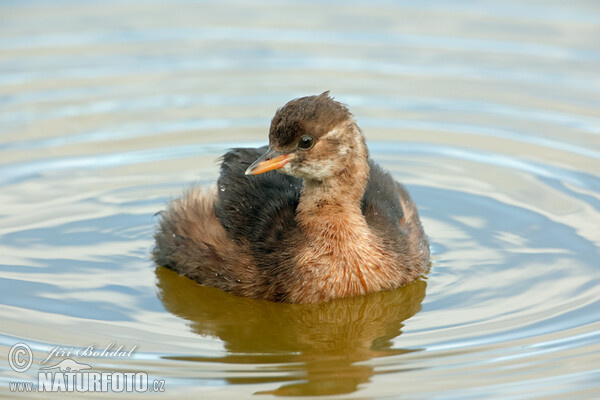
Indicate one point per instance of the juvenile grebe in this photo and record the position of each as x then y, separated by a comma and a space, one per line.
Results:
333, 224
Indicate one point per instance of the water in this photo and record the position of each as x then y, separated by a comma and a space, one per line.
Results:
488, 112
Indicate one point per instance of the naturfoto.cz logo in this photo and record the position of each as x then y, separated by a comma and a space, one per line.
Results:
69, 375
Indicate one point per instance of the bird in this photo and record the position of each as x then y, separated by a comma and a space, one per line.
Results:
307, 219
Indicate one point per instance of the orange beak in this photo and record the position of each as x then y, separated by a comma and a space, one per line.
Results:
269, 161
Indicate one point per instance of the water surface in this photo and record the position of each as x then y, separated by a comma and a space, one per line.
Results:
488, 112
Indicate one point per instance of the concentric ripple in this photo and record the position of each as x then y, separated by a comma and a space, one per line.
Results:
488, 112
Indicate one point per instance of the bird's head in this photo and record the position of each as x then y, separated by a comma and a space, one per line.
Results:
314, 138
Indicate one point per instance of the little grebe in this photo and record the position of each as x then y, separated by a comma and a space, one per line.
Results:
333, 224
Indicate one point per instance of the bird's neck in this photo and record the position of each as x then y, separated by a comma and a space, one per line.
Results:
334, 206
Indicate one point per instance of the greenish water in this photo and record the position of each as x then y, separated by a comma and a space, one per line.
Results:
488, 112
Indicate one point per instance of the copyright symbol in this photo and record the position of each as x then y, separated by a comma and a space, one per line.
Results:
20, 357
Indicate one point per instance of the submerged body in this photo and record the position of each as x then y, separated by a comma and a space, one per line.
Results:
333, 224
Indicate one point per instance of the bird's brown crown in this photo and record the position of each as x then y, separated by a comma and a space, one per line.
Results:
311, 115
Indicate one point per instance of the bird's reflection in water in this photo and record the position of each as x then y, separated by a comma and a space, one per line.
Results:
314, 348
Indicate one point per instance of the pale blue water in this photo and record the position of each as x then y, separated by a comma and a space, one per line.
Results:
489, 113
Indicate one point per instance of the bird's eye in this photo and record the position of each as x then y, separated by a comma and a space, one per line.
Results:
305, 142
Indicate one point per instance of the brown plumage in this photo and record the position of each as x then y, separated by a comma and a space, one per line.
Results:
334, 224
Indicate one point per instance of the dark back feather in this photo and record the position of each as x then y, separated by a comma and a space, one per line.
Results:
380, 200
256, 208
